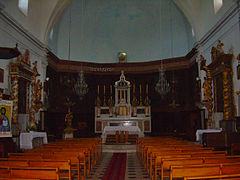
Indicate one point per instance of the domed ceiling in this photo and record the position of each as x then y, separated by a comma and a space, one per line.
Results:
95, 31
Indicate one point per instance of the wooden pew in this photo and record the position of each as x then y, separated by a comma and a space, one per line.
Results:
77, 159
30, 172
204, 170
225, 177
63, 165
167, 163
158, 160
14, 178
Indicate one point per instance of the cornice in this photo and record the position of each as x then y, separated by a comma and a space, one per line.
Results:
178, 63
221, 23
21, 30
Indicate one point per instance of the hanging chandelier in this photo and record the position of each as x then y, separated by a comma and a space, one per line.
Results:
162, 86
81, 87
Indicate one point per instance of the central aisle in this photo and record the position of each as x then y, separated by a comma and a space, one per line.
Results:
134, 168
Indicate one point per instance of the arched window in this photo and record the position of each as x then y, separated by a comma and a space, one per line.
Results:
217, 5
23, 6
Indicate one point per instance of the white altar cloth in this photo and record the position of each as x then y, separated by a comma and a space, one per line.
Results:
26, 139
112, 130
200, 132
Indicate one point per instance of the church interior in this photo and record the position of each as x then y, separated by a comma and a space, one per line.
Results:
119, 89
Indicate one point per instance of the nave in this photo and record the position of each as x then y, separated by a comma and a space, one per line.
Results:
155, 158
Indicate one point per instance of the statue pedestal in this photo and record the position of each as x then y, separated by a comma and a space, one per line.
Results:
68, 135
68, 132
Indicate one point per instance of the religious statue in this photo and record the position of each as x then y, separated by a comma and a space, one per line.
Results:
203, 65
20, 58
68, 119
35, 71
214, 54
219, 48
27, 57
39, 90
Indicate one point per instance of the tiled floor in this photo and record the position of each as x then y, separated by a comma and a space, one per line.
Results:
134, 168
98, 171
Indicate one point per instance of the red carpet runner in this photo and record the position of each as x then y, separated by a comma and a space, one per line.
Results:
116, 168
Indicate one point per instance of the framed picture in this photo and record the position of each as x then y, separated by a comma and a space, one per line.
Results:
1, 75
5, 118
238, 71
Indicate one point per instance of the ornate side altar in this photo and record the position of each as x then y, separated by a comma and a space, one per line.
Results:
121, 112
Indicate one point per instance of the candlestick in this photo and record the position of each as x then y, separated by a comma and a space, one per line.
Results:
140, 97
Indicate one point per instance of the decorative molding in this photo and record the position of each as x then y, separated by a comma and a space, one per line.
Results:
21, 30
114, 68
220, 24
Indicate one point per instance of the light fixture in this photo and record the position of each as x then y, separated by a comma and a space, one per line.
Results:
162, 86
81, 87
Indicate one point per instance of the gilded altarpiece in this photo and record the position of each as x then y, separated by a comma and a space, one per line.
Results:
20, 73
222, 76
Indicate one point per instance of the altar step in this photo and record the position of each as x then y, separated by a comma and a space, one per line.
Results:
119, 148
118, 139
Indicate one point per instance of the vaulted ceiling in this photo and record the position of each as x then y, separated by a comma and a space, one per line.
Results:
44, 14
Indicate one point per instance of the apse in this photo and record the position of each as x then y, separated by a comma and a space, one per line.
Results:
96, 31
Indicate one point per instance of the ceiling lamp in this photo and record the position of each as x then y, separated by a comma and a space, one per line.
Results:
81, 87
162, 86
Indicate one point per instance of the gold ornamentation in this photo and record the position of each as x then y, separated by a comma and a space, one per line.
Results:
226, 96
207, 87
238, 57
122, 57
14, 93
36, 88
24, 58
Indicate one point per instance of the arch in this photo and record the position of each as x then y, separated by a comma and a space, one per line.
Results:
187, 6
61, 5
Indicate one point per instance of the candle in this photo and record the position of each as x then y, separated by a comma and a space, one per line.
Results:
111, 89
133, 88
146, 88
140, 89
98, 89
104, 89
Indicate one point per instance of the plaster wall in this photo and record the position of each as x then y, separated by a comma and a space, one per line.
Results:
146, 30
12, 33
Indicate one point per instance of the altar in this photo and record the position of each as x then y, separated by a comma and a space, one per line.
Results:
123, 111
112, 130
27, 139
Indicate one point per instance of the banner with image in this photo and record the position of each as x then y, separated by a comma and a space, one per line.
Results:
5, 118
